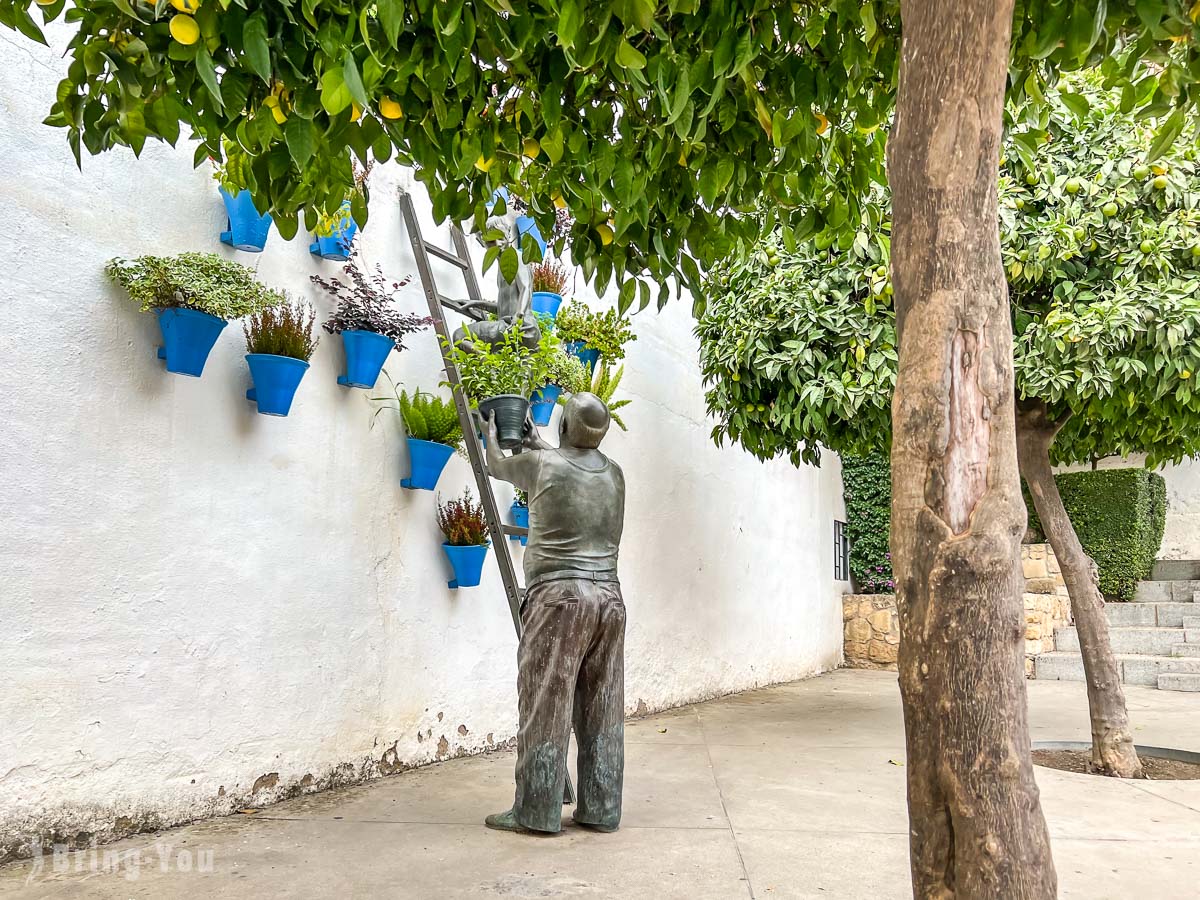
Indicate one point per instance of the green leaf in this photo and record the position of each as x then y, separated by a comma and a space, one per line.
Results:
570, 18
391, 17
1167, 133
509, 264
353, 80
629, 57
300, 134
208, 73
254, 40
335, 95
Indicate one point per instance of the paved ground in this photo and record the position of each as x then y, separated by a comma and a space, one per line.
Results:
792, 791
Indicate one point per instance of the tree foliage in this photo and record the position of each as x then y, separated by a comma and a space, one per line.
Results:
1102, 249
676, 132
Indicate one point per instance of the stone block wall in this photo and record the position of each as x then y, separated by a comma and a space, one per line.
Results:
871, 629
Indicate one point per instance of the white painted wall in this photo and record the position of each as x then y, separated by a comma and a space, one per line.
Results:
198, 599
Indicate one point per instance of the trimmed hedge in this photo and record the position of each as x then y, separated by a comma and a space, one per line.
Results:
867, 484
1119, 515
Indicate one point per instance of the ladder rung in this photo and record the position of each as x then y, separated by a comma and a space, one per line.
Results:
446, 255
515, 530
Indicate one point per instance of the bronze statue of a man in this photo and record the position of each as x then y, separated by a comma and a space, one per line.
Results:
570, 662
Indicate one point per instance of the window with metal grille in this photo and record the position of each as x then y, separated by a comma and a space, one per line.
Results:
841, 552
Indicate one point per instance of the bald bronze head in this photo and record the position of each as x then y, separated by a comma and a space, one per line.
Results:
585, 421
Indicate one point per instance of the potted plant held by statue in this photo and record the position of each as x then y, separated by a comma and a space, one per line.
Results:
466, 532
564, 373
432, 430
193, 295
496, 379
591, 336
367, 319
280, 343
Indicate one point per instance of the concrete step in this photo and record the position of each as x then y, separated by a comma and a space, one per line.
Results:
1179, 681
1166, 591
1164, 615
1065, 666
1176, 570
1149, 641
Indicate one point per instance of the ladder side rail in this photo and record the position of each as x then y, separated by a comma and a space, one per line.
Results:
508, 574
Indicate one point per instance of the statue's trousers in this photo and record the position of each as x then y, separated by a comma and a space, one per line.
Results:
571, 670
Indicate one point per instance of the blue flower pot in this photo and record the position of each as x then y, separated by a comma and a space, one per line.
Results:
248, 229
337, 245
275, 381
586, 354
546, 304
428, 460
467, 563
366, 352
542, 403
188, 337
520, 518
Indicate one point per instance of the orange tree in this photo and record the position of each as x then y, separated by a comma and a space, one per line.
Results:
677, 133
1100, 235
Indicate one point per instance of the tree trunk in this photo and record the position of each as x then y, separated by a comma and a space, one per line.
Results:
1112, 740
976, 824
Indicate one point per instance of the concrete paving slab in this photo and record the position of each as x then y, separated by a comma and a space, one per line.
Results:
745, 801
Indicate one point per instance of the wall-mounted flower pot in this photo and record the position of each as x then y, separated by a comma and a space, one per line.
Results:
510, 410
188, 337
248, 229
542, 403
428, 459
545, 303
467, 563
366, 352
586, 354
336, 246
520, 518
275, 381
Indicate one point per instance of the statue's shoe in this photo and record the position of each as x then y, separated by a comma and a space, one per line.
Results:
505, 821
592, 826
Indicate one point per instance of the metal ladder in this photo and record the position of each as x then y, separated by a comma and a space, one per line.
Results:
498, 530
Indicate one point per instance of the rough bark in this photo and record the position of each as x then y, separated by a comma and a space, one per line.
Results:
1112, 740
976, 824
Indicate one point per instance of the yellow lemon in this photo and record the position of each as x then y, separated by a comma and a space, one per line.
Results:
187, 6
355, 111
606, 234
484, 164
184, 29
1186, 373
559, 202
390, 109
279, 114
1159, 169
531, 148
822, 123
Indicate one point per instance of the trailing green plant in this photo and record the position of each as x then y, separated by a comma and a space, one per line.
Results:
867, 487
285, 330
368, 302
550, 275
607, 332
507, 367
201, 281
1119, 516
567, 372
233, 174
329, 222
462, 521
426, 417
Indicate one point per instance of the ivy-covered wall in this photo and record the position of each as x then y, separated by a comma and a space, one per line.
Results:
867, 483
1119, 515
